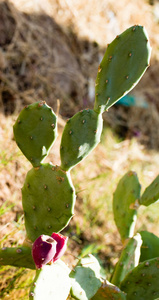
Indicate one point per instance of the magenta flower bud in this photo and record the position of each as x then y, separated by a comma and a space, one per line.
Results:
43, 250
61, 245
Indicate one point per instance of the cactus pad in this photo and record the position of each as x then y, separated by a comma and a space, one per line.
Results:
48, 198
80, 136
128, 260
109, 291
51, 282
142, 282
85, 278
35, 131
150, 246
125, 201
123, 64
17, 257
151, 193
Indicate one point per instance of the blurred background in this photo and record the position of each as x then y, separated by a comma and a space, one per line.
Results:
50, 50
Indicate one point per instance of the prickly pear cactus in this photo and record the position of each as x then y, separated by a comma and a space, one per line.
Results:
48, 198
151, 193
48, 195
150, 246
142, 282
125, 61
128, 260
109, 291
17, 257
51, 282
35, 131
86, 278
80, 136
125, 204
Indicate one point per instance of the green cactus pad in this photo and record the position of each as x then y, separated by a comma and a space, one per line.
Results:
48, 198
85, 278
150, 246
151, 193
80, 136
35, 131
128, 260
123, 64
51, 282
17, 256
109, 291
142, 282
125, 202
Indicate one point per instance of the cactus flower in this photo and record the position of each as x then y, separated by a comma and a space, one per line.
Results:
48, 249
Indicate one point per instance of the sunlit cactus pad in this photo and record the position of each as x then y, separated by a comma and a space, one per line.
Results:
35, 131
109, 291
123, 64
150, 246
48, 198
151, 193
80, 136
17, 257
52, 282
125, 204
128, 260
142, 282
86, 278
